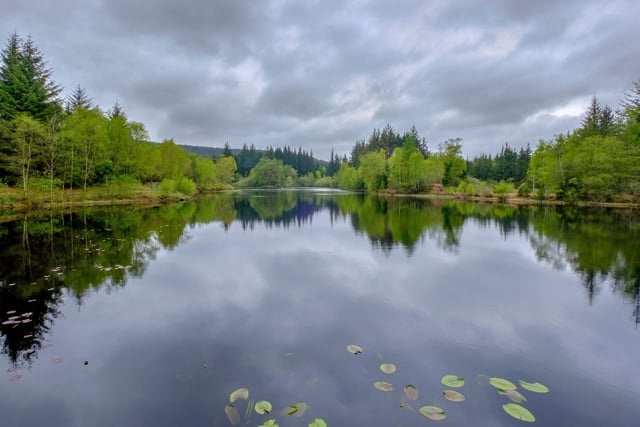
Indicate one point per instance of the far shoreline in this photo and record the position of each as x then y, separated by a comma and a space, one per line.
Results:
14, 204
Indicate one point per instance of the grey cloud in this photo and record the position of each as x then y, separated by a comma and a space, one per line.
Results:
323, 74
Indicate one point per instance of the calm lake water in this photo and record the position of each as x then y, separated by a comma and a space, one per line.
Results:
153, 316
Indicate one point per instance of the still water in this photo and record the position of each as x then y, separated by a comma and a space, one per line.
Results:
153, 316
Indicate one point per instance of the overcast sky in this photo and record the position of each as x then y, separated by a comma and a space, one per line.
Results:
322, 74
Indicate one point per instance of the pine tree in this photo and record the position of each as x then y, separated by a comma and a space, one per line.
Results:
78, 99
25, 85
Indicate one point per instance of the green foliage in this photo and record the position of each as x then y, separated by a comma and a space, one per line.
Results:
348, 178
455, 167
25, 85
167, 186
373, 170
268, 173
186, 186
524, 190
503, 188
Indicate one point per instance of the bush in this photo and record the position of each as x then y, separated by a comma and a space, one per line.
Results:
123, 185
43, 184
186, 186
524, 190
167, 186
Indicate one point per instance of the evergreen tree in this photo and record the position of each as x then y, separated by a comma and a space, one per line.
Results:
78, 99
25, 85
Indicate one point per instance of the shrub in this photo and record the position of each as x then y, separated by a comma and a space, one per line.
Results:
186, 186
167, 186
524, 190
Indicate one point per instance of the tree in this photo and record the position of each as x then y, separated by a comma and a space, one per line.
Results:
225, 169
25, 85
27, 136
87, 136
78, 99
267, 173
455, 167
631, 98
373, 170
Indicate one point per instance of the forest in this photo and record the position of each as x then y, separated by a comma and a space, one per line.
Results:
50, 143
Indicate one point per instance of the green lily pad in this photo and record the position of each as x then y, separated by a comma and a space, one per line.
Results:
383, 386
232, 413
534, 387
388, 368
270, 423
411, 392
433, 413
454, 396
241, 393
263, 407
518, 412
514, 395
354, 349
502, 384
452, 381
318, 422
298, 409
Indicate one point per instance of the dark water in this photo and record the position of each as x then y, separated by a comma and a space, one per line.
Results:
152, 317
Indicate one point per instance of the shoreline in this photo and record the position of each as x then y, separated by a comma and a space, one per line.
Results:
14, 203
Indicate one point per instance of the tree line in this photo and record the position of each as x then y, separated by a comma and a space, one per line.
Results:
598, 161
47, 141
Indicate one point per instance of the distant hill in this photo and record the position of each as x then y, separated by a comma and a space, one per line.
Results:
207, 151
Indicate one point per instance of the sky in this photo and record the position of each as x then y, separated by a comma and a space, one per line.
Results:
323, 74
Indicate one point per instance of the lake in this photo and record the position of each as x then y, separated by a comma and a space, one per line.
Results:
153, 316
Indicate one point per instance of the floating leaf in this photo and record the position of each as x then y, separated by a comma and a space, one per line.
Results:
411, 392
388, 368
270, 423
318, 422
241, 393
263, 407
453, 395
514, 395
298, 409
518, 412
502, 384
433, 413
383, 386
232, 413
354, 349
452, 381
534, 387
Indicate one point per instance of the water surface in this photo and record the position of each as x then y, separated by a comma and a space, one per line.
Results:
154, 316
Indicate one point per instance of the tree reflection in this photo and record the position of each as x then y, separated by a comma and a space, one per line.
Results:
45, 258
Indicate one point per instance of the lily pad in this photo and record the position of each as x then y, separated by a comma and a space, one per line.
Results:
454, 396
502, 384
518, 412
232, 413
318, 422
298, 409
433, 413
452, 381
270, 423
263, 407
411, 392
241, 393
534, 387
514, 395
383, 386
388, 368
354, 349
